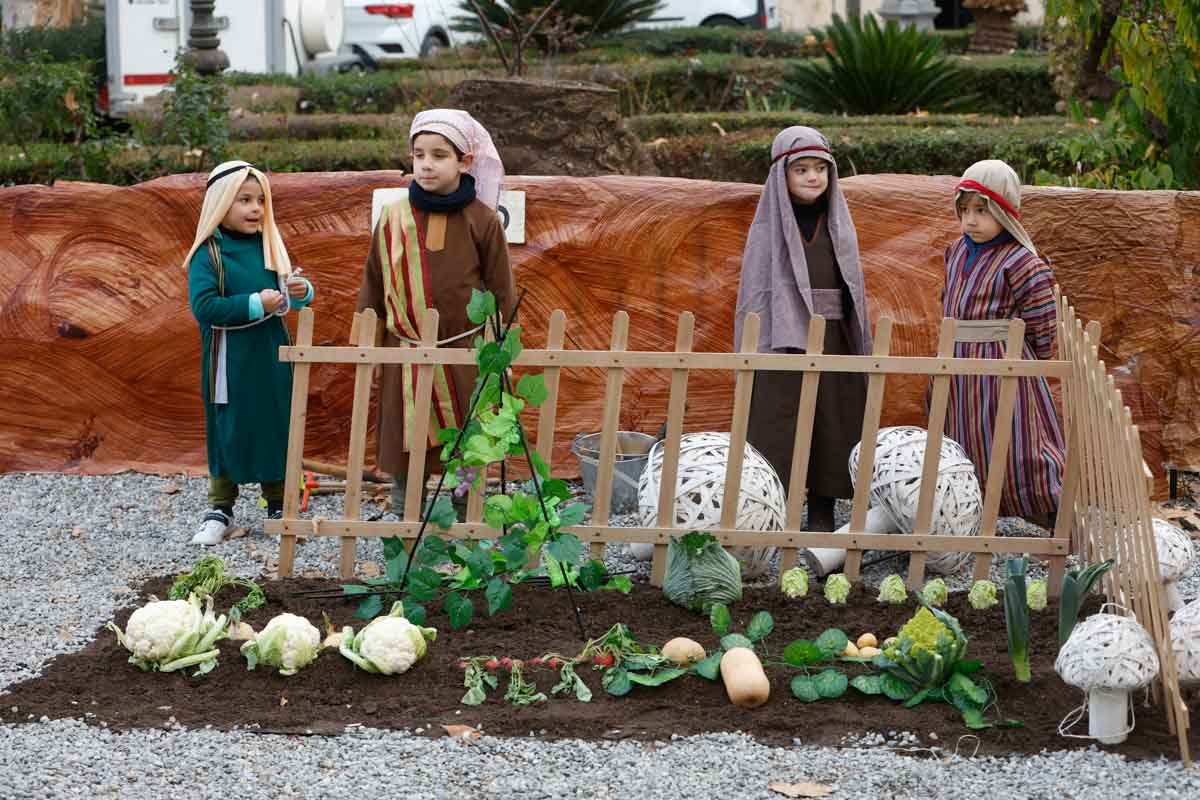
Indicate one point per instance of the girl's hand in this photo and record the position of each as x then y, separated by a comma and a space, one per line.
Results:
297, 288
272, 300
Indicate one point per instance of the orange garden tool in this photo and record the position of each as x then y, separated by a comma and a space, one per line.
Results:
308, 483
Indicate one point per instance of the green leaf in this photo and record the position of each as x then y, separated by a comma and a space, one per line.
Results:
533, 389
496, 510
973, 719
512, 343
566, 547
423, 583
481, 306
514, 551
962, 686
480, 562
350, 589
895, 688
592, 575
573, 514
499, 595
720, 618
760, 627
433, 550
394, 547
414, 613
918, 698
868, 684
552, 487
803, 652
442, 514
492, 359
832, 642
967, 667
710, 667
616, 681
459, 609
830, 684
805, 688
370, 607
619, 583
732, 640
656, 679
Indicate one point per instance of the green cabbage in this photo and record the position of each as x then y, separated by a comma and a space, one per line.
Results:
700, 573
926, 648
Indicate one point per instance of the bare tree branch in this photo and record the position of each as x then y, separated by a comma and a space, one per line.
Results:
538, 21
490, 31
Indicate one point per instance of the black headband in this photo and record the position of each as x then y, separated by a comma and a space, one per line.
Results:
225, 173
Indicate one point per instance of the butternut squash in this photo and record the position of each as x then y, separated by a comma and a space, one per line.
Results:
745, 682
683, 651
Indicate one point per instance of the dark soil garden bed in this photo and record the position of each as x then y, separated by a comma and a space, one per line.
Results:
330, 694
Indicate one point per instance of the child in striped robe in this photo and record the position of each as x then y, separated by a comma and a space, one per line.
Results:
993, 272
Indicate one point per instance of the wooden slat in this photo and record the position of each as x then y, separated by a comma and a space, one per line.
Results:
635, 359
364, 331
295, 453
939, 399
669, 475
1002, 431
602, 500
730, 537
548, 410
418, 442
743, 390
802, 443
867, 443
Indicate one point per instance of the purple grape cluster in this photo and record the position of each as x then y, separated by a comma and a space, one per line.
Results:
466, 476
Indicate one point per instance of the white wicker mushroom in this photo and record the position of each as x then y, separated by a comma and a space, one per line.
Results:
700, 489
1175, 556
1185, 643
1108, 656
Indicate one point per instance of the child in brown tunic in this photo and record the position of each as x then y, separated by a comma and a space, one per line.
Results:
429, 250
801, 258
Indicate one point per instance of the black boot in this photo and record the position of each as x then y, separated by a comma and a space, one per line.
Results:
820, 513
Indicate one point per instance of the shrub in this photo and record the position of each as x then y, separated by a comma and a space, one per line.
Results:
81, 41
874, 70
593, 16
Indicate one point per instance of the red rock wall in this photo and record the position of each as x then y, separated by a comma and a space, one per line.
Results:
101, 360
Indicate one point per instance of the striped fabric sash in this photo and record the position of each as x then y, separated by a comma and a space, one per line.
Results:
407, 296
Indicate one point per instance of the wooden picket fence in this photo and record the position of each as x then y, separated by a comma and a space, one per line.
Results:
1109, 502
1105, 502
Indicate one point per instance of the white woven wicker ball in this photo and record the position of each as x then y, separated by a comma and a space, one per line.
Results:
1185, 643
700, 489
896, 487
1175, 556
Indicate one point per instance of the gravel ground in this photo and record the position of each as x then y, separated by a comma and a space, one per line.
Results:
72, 547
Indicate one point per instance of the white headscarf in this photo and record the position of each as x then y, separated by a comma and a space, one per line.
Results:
464, 132
224, 182
997, 183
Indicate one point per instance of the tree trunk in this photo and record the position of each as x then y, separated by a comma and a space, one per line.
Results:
995, 31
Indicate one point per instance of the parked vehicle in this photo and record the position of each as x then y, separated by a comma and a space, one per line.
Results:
278, 36
379, 33
691, 13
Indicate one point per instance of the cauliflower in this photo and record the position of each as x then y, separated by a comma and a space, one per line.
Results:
1035, 595
288, 642
982, 595
926, 648
837, 588
891, 590
167, 635
388, 645
935, 592
794, 582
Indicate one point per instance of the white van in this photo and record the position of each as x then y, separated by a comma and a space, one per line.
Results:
278, 36
759, 14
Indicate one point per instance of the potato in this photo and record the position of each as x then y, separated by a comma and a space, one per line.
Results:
745, 682
867, 640
869, 652
851, 650
683, 651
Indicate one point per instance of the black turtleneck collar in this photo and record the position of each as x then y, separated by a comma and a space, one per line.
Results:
232, 234
427, 201
808, 216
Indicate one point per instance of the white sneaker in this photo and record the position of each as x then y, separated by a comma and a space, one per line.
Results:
213, 528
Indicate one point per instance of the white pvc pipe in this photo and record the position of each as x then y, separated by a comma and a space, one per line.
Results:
823, 560
1108, 715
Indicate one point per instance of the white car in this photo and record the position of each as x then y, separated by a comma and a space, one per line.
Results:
691, 13
381, 32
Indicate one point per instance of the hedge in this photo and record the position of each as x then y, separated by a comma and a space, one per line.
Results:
653, 126
744, 156
1006, 85
894, 146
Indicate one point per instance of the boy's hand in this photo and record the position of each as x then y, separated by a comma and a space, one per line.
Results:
297, 288
272, 300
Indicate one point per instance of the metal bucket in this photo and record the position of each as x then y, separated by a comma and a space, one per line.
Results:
633, 450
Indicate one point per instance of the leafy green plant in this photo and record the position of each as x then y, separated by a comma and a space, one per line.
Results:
1016, 617
761, 625
195, 116
1076, 585
589, 17
626, 662
873, 70
208, 578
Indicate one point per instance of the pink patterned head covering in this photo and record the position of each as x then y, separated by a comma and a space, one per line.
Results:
465, 133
